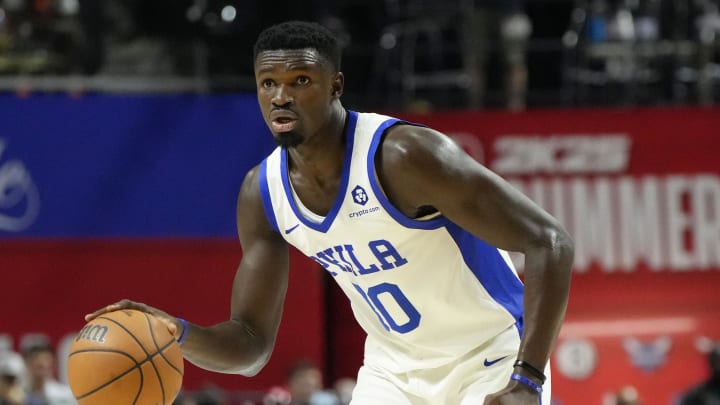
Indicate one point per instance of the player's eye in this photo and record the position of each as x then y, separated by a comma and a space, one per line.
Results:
303, 80
267, 83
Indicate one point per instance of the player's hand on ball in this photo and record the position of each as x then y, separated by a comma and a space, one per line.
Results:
125, 357
173, 325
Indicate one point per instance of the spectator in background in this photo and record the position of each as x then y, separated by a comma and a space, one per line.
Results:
505, 23
344, 388
305, 382
627, 395
707, 393
184, 399
210, 395
304, 387
12, 371
42, 388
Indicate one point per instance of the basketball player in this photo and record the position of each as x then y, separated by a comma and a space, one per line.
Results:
412, 229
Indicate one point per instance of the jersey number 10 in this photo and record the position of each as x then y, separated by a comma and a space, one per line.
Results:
372, 297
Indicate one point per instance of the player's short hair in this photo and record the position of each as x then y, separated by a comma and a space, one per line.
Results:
300, 35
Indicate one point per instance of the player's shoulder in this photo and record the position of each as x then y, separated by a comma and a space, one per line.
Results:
250, 187
253, 175
252, 209
395, 129
410, 141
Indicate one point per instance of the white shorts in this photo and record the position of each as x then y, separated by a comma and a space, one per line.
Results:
465, 381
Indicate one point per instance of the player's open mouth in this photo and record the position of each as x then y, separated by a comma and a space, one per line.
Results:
283, 124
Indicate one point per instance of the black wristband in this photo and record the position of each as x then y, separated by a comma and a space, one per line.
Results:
531, 369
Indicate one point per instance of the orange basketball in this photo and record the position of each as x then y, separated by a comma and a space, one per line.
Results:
125, 358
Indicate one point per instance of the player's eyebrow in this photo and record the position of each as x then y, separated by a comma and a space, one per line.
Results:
294, 67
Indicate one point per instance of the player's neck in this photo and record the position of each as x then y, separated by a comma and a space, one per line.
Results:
323, 155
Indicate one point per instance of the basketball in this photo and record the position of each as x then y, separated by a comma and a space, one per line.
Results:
125, 357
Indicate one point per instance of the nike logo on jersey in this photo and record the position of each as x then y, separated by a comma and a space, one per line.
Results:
287, 231
491, 362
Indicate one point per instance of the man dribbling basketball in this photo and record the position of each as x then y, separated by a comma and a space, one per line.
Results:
412, 229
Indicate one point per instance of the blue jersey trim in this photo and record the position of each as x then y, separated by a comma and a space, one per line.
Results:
492, 271
342, 190
395, 213
265, 197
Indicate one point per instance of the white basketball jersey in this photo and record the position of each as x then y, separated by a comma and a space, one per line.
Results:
425, 291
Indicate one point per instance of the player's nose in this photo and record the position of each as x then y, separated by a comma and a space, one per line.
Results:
282, 96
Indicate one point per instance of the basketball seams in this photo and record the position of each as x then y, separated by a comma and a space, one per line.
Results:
147, 354
119, 376
141, 385
138, 365
162, 354
146, 338
157, 350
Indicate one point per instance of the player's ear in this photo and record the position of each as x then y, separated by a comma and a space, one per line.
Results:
338, 83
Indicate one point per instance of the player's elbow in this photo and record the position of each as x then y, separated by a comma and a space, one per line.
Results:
562, 249
248, 350
556, 248
256, 366
247, 364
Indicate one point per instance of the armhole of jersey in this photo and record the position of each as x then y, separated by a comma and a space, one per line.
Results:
396, 214
265, 197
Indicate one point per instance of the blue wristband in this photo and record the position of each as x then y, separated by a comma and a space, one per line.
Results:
530, 383
183, 334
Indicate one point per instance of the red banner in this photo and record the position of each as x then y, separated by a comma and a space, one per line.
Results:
639, 190
47, 288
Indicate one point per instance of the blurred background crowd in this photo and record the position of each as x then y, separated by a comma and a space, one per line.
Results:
31, 377
399, 54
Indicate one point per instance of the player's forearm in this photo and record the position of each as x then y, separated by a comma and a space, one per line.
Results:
547, 287
228, 347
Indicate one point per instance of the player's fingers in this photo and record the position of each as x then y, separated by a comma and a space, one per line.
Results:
104, 310
124, 304
171, 325
163, 316
170, 321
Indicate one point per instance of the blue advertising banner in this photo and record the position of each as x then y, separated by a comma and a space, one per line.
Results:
126, 166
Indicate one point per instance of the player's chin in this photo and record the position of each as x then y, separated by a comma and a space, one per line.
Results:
289, 139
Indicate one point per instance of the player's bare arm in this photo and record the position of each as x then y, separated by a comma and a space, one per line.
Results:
242, 344
420, 168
